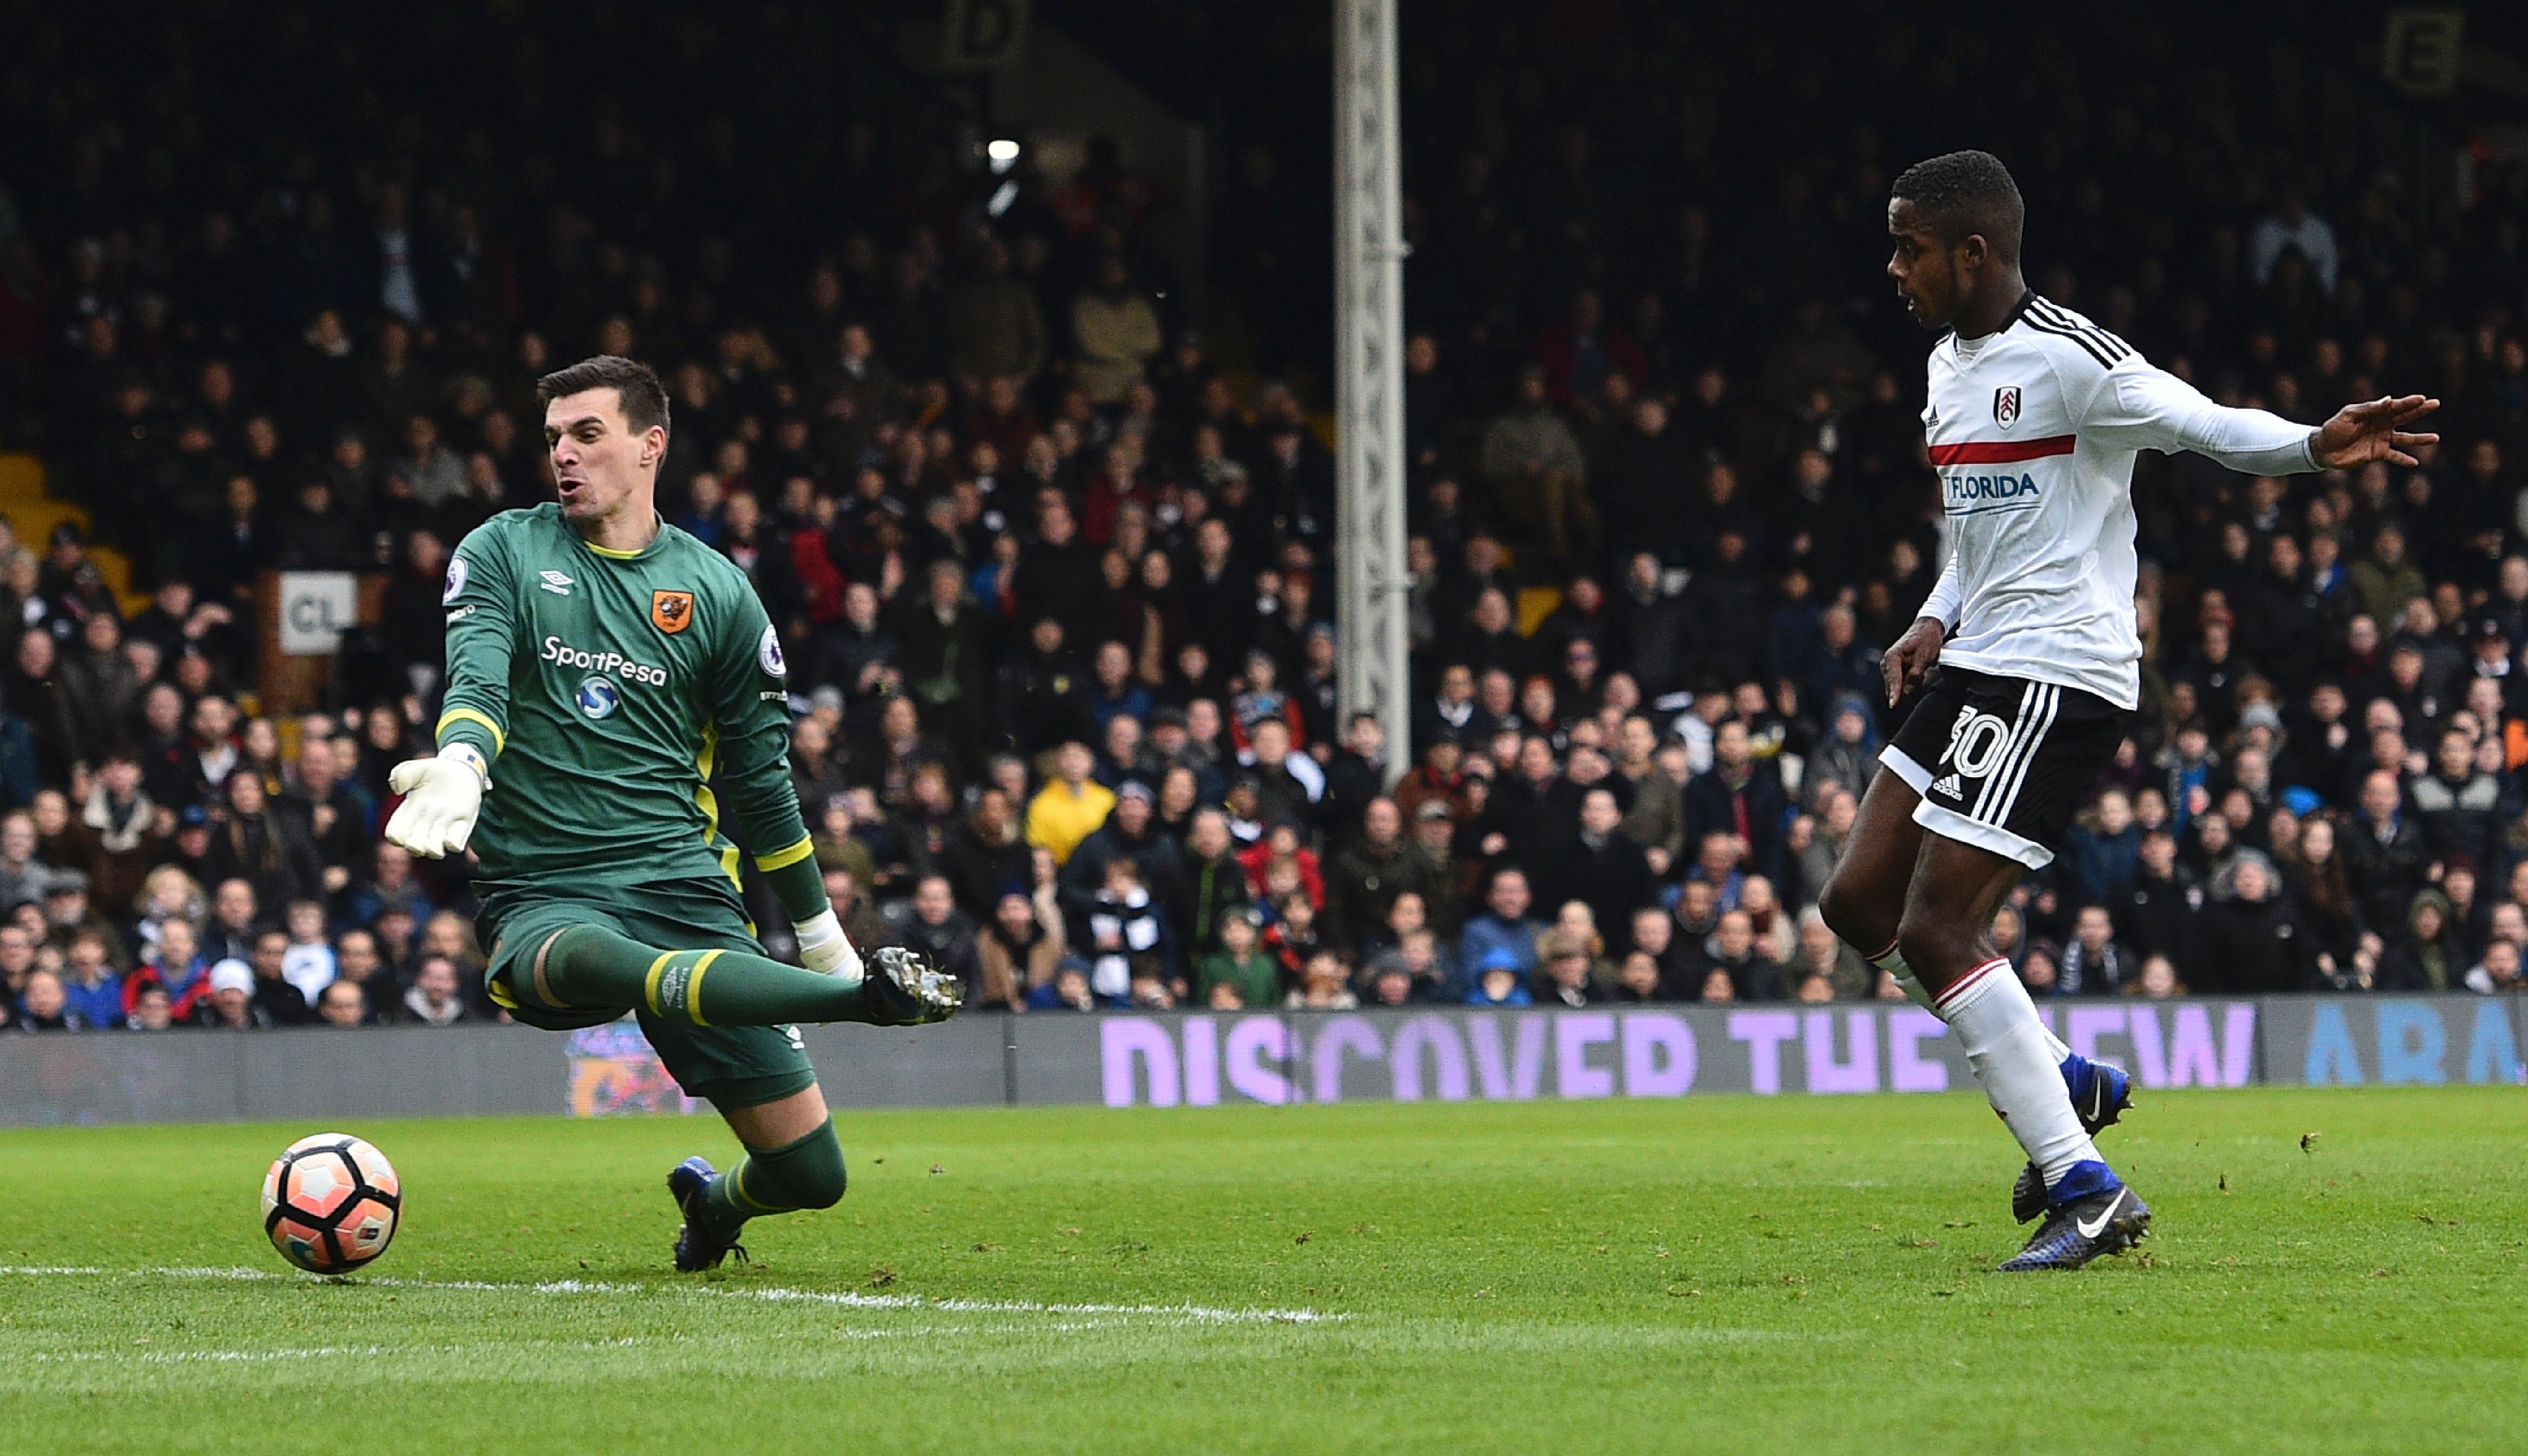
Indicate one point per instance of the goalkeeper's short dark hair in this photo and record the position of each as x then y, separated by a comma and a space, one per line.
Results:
635, 383
1959, 193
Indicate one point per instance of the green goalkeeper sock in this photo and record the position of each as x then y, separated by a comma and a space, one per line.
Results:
587, 966
804, 1175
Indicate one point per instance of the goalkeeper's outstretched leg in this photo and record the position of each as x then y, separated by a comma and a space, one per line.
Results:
589, 966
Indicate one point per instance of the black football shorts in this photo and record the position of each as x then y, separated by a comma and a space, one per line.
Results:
2003, 763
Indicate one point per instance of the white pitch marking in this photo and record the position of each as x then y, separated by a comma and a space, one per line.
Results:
1197, 1314
1193, 1314
326, 1352
318, 1352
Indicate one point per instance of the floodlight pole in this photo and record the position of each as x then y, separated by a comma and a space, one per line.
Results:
1372, 605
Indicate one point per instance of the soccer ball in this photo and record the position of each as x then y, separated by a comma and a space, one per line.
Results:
331, 1203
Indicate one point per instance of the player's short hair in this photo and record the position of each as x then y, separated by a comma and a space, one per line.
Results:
635, 383
1959, 193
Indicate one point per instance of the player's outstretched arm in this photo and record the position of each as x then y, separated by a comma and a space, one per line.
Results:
443, 795
2375, 431
2144, 407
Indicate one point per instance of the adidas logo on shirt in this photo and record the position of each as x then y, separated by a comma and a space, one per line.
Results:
1950, 788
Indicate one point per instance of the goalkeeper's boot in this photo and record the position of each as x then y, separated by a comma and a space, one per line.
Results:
2100, 1094
696, 1249
2092, 1214
907, 991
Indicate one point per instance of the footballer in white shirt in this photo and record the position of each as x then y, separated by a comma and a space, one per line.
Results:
2029, 657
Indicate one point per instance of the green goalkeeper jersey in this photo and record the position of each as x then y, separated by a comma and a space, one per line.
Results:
605, 688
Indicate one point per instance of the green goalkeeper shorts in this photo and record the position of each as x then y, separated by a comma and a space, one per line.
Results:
733, 1067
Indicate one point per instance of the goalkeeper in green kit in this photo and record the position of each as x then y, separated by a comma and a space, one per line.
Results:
600, 663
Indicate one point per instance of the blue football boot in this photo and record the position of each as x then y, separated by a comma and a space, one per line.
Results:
697, 1250
2092, 1214
2100, 1094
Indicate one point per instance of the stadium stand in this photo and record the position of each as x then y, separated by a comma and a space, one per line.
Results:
1050, 541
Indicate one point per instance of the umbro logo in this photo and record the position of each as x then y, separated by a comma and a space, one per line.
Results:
555, 583
1950, 788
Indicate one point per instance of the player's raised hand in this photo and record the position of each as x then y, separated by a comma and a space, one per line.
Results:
1909, 663
2374, 431
441, 799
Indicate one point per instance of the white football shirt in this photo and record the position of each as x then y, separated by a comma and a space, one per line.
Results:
2033, 431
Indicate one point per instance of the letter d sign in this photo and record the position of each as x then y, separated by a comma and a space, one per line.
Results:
983, 34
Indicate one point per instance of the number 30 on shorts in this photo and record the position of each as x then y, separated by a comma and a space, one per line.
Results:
1976, 742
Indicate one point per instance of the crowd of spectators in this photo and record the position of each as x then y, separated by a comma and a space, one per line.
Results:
1056, 580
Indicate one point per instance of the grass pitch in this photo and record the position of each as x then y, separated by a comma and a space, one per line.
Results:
1706, 1275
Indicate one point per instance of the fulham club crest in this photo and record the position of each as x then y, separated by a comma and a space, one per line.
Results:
2005, 406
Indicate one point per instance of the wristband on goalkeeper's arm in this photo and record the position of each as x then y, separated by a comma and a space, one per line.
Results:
471, 756
826, 949
798, 882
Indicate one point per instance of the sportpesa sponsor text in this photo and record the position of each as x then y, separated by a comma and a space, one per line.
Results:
563, 654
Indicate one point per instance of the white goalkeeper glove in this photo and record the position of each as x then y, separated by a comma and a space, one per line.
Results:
823, 948
441, 799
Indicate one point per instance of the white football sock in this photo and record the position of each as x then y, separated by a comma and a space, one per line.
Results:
1893, 962
2008, 1048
